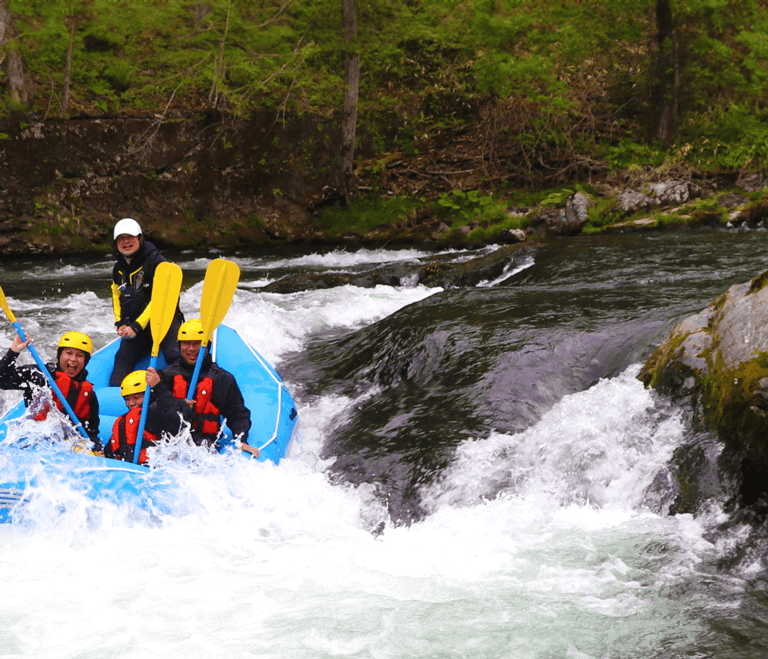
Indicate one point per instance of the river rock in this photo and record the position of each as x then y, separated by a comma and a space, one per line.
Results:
632, 201
511, 236
718, 359
733, 200
751, 181
675, 192
441, 271
568, 221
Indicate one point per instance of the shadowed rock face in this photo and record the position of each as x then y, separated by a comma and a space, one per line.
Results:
719, 360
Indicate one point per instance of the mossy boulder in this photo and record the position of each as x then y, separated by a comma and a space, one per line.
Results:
718, 359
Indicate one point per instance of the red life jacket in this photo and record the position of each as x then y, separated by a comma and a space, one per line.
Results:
123, 441
207, 415
82, 392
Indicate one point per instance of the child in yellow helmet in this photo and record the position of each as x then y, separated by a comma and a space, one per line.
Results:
163, 416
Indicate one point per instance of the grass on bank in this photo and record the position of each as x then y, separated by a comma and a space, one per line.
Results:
485, 216
478, 217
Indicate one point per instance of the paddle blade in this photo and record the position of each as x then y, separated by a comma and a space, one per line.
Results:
221, 277
6, 308
166, 288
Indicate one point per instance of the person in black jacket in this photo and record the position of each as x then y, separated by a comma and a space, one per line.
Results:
132, 277
218, 394
163, 416
73, 352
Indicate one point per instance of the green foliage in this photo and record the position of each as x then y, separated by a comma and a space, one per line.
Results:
491, 216
494, 228
365, 214
556, 198
466, 207
734, 138
602, 213
460, 200
628, 152
547, 80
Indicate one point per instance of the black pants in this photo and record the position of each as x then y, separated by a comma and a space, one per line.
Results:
135, 349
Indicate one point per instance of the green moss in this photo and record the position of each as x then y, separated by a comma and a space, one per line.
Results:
255, 222
602, 213
730, 402
669, 220
652, 371
758, 283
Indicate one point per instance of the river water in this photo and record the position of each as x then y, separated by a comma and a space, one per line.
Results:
479, 473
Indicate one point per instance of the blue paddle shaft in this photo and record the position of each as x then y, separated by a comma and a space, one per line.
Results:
51, 382
143, 421
196, 373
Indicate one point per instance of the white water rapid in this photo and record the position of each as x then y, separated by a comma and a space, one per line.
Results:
536, 545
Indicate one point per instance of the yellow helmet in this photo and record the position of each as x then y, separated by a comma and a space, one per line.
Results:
133, 383
77, 340
192, 330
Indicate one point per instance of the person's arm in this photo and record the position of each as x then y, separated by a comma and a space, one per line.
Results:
143, 320
91, 424
168, 407
10, 378
117, 287
116, 309
18, 377
109, 451
233, 409
149, 277
124, 327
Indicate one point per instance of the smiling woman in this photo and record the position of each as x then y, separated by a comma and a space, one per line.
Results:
69, 376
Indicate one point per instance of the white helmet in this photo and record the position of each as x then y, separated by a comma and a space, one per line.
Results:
127, 226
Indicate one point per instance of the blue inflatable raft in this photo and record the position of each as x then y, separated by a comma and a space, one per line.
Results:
274, 421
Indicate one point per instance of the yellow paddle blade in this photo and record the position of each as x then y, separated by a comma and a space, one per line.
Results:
166, 288
221, 277
6, 308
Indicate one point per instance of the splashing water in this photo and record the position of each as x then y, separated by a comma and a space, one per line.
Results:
538, 544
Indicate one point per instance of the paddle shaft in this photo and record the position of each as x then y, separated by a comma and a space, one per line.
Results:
196, 373
51, 382
143, 419
166, 288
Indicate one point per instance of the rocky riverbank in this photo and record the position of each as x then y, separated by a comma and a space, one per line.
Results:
200, 182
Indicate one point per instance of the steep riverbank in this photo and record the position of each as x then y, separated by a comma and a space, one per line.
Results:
199, 182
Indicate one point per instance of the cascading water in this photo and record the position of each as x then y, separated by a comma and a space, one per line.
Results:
479, 474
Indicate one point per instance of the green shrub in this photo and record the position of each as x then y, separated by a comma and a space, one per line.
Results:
365, 214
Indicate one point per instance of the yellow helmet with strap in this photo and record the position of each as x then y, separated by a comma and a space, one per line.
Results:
77, 340
133, 383
192, 330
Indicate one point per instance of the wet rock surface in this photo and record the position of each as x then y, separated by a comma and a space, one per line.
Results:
442, 272
718, 360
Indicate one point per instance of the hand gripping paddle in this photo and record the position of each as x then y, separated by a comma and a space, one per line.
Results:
41, 365
166, 288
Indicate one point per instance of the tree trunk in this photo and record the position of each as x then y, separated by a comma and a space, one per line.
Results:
665, 78
68, 69
346, 170
20, 83
215, 95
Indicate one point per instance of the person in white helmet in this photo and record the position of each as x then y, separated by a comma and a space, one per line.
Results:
132, 279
